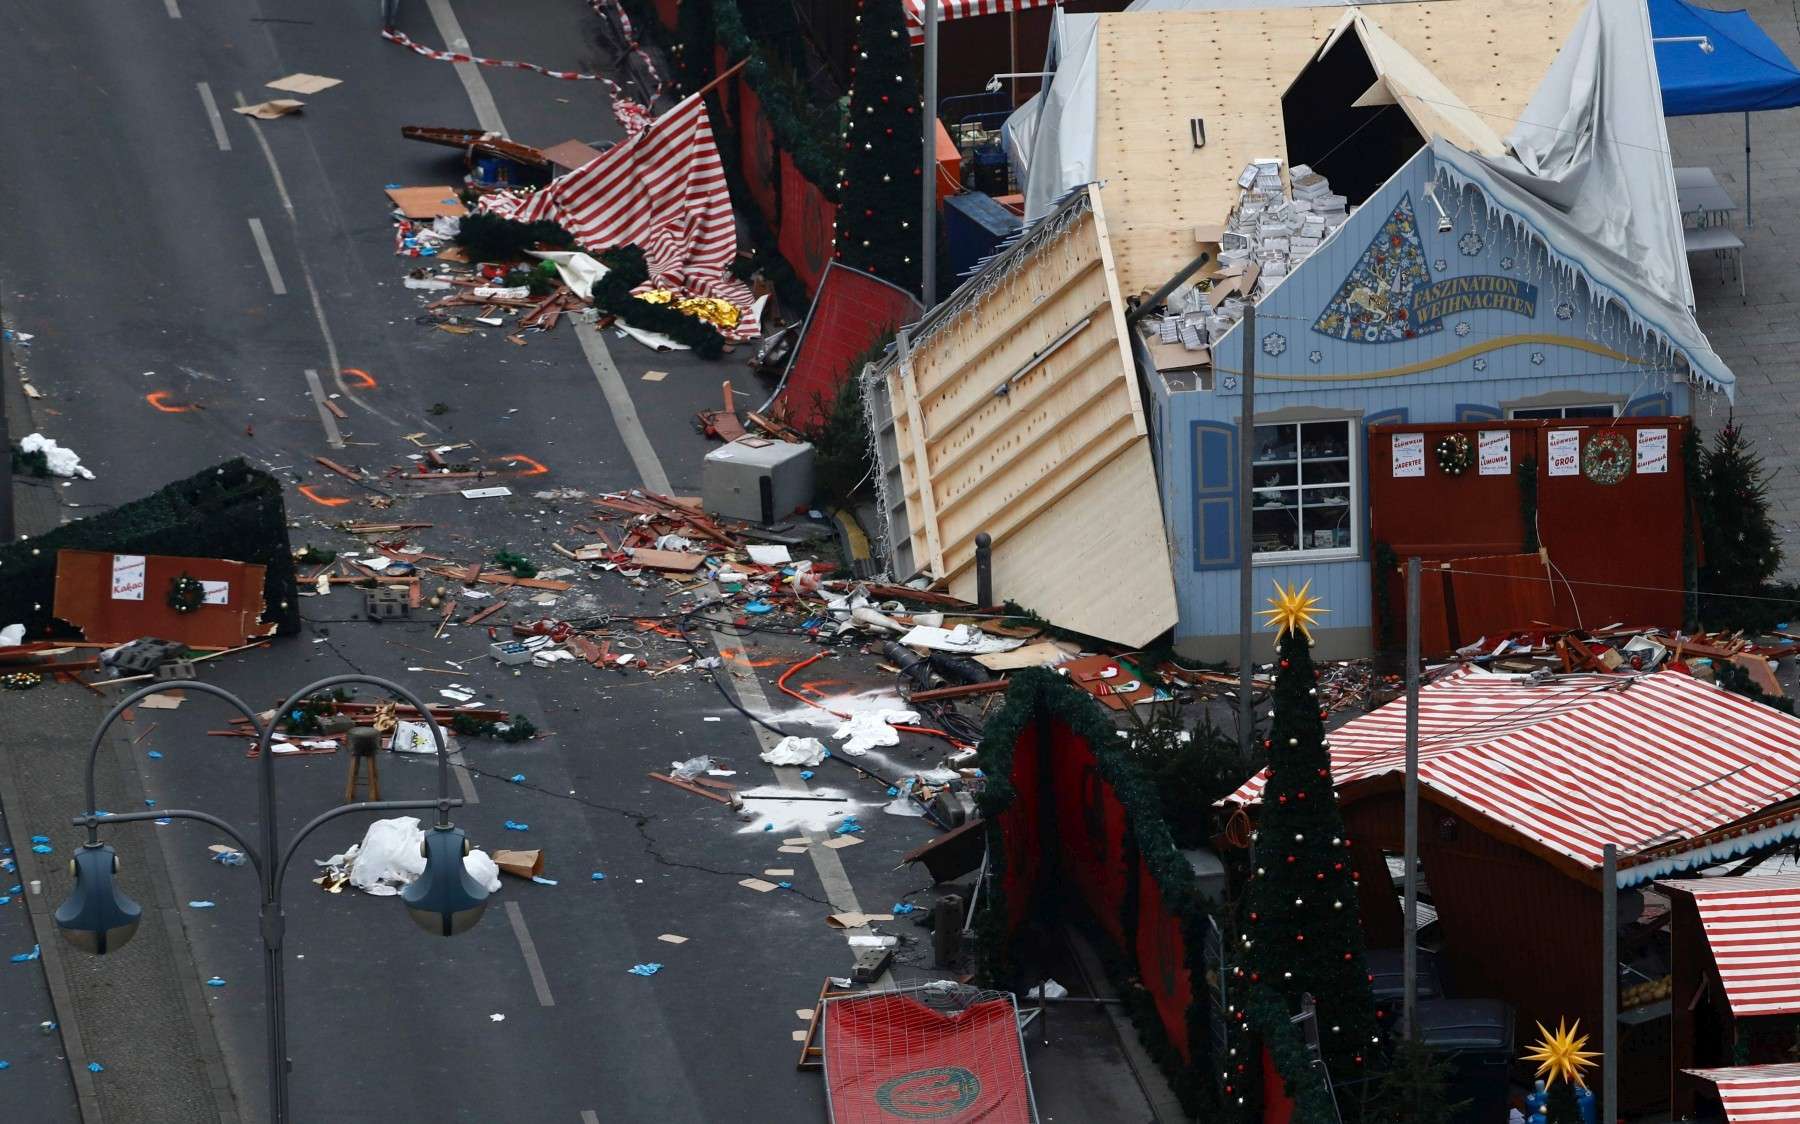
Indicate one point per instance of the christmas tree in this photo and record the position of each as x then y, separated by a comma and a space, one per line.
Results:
1302, 934
879, 182
1742, 551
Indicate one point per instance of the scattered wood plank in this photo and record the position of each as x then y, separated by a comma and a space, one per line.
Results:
686, 787
486, 613
676, 561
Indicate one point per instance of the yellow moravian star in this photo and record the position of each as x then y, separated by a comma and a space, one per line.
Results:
1294, 610
1560, 1056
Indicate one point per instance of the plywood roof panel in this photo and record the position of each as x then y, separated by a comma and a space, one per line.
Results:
1157, 70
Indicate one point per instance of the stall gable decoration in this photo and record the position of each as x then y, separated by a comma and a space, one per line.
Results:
1389, 295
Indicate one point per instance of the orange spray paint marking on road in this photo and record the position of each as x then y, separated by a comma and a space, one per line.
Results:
364, 380
536, 468
323, 501
158, 399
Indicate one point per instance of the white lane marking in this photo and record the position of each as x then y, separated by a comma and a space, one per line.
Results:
532, 963
268, 257
212, 114
618, 400
287, 203
174, 12
589, 1116
312, 288
825, 860
474, 83
326, 417
461, 772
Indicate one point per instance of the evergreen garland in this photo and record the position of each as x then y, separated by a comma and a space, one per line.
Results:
1302, 934
879, 181
1526, 474
626, 269
1038, 695
491, 238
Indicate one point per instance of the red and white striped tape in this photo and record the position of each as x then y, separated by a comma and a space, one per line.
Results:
601, 8
393, 36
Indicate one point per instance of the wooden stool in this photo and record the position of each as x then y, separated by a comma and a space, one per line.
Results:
364, 744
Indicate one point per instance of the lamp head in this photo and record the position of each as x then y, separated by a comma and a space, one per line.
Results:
1706, 45
445, 900
98, 917
993, 84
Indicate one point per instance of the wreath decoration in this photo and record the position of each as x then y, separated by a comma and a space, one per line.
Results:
186, 594
1455, 454
1607, 458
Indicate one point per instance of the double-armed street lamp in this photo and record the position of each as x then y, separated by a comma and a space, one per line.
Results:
98, 916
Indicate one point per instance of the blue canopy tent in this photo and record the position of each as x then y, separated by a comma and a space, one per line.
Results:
1719, 62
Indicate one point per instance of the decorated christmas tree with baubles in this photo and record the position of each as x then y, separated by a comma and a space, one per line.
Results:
1301, 933
879, 180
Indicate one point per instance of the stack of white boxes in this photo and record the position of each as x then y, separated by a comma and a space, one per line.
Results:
1273, 228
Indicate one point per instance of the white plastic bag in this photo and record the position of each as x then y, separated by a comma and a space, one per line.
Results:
805, 752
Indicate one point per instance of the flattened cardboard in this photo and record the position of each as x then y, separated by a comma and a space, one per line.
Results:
674, 561
270, 110
520, 864
757, 884
304, 83
571, 154
427, 202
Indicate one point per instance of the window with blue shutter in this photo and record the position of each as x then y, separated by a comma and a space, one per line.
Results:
1215, 495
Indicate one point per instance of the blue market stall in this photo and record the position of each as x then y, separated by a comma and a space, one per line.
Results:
1719, 62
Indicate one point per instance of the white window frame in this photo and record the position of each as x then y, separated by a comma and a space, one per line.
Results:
1354, 483
1562, 411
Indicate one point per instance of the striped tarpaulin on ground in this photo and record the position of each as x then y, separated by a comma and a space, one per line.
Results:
1579, 762
960, 9
663, 190
1753, 927
1757, 1094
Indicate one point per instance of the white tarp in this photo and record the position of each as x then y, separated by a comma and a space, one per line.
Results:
1588, 174
1057, 124
388, 859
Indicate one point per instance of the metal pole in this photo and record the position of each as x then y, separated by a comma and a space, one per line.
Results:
928, 167
1410, 940
1246, 590
1749, 212
274, 924
1609, 984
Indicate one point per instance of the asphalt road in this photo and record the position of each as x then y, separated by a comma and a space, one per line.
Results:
132, 245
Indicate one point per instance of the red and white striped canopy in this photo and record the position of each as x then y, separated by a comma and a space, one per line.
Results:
958, 9
663, 190
1576, 763
1753, 927
1757, 1094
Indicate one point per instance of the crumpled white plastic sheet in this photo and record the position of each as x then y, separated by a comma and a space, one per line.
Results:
866, 729
388, 859
62, 461
805, 752
965, 639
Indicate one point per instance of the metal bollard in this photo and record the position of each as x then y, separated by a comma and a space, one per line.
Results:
984, 570
946, 930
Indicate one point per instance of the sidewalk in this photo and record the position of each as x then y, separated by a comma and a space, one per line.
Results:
1759, 336
139, 1012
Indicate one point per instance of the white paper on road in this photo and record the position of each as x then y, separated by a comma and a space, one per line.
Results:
578, 271
415, 737
61, 461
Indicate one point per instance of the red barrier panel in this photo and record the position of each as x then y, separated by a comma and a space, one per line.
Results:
1090, 831
669, 12
1162, 960
851, 312
1020, 830
756, 141
807, 218
890, 1057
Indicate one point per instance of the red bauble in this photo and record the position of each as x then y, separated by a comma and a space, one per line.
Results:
1302, 794
1290, 858
1253, 915
1284, 665
1300, 938
1281, 799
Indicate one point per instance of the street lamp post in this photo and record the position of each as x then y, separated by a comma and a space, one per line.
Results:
98, 917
